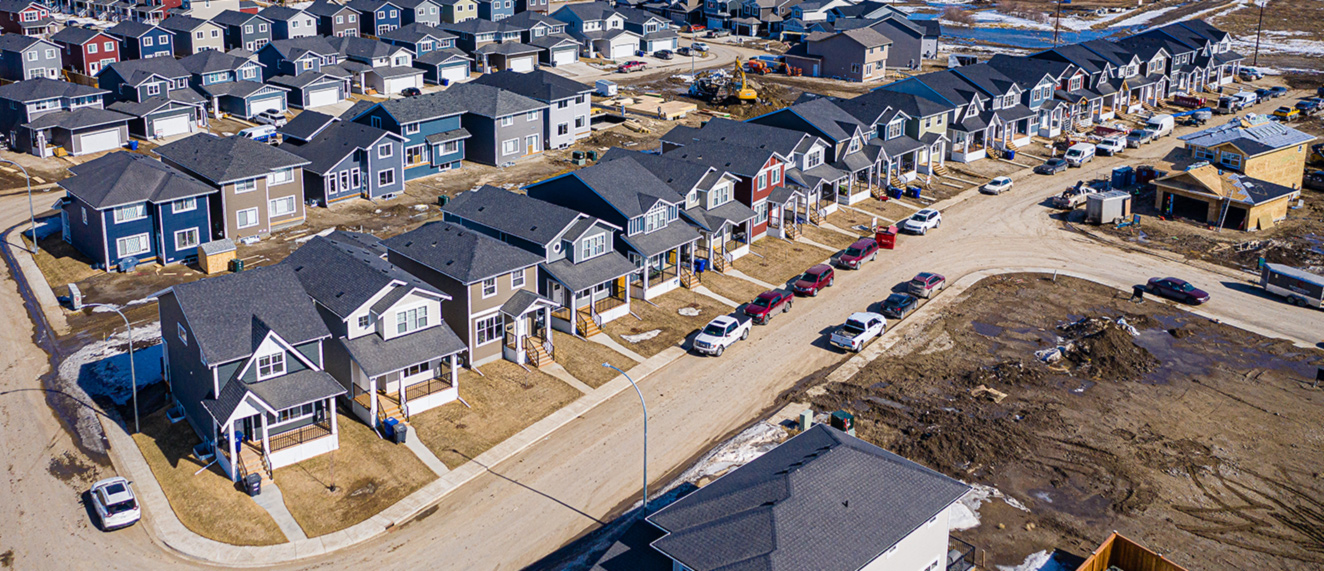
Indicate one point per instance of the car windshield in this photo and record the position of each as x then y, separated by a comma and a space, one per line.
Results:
714, 329
852, 328
895, 300
854, 252
1186, 287
920, 217
761, 302
809, 277
121, 507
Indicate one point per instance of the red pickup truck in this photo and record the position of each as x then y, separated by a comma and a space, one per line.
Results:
768, 303
629, 66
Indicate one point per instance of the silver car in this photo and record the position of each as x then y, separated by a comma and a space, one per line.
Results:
114, 503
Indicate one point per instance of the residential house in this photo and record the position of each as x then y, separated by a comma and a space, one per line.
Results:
431, 124
208, 9
1101, 95
87, 51
1173, 58
495, 10
770, 511
757, 17
308, 69
1010, 121
456, 11
142, 41
28, 57
625, 194
719, 13
1223, 198
542, 31
557, 50
346, 159
1135, 89
655, 32
419, 38
334, 19
44, 112
147, 14
495, 308
376, 17
680, 12
380, 66
434, 52
600, 28
847, 138
504, 56
124, 206
867, 10
504, 126
243, 359
287, 23
470, 35
444, 66
247, 31
853, 55
1256, 146
568, 102
587, 279
427, 12
25, 18
192, 35
535, 6
389, 346
261, 186
907, 50
1039, 79
1224, 63
975, 125
233, 84
760, 171
157, 94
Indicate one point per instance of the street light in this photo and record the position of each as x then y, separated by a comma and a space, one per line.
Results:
32, 214
133, 373
643, 508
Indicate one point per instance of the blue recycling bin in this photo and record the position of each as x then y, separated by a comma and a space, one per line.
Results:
1011, 154
894, 192
388, 428
701, 265
133, 145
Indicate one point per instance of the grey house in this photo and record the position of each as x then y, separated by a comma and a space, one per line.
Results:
568, 102
308, 68
346, 160
504, 126
334, 20
28, 57
243, 30
419, 11
42, 114
157, 94
193, 35
289, 23
907, 50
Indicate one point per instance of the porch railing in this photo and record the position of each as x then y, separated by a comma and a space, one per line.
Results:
562, 313
301, 435
512, 340
535, 350
425, 388
361, 396
960, 555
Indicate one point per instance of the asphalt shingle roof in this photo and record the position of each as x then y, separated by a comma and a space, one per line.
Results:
540, 84
337, 141
209, 61
459, 253
75, 35
740, 160
222, 160
489, 101
235, 18
306, 125
281, 13
182, 23
1254, 134
512, 213
342, 276
363, 48
117, 179
137, 71
326, 8
131, 29
589, 273
416, 32
18, 42
377, 356
81, 118
628, 186
45, 88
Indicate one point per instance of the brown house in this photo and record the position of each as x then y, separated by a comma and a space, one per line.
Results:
1255, 146
854, 55
1223, 198
261, 185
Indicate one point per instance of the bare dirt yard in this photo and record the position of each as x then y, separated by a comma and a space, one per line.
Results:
1195, 438
663, 316
776, 261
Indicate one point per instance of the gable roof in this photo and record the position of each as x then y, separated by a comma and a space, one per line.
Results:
342, 276
208, 61
460, 253
1253, 134
131, 29
1148, 46
822, 500
183, 23
222, 160
75, 35
518, 215
235, 18
294, 48
416, 32
306, 125
281, 13
540, 85
827, 117
327, 8
136, 71
680, 174
866, 37
19, 42
987, 78
45, 88
588, 11
784, 142
118, 179
627, 186
364, 48
489, 101
1209, 179
335, 142
740, 160
1028, 70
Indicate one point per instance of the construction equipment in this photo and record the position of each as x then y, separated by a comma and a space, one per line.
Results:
792, 70
745, 94
757, 66
720, 86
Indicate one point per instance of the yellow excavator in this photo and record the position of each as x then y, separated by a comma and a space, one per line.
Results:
720, 88
745, 93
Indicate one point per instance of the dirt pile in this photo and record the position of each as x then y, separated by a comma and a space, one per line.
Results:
1103, 349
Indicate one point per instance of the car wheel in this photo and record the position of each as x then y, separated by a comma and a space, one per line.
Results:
923, 231
832, 281
873, 257
745, 335
718, 352
787, 307
814, 293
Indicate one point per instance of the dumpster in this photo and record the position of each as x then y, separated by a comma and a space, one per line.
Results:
253, 484
1011, 154
388, 428
701, 265
1123, 177
401, 433
843, 421
236, 265
886, 237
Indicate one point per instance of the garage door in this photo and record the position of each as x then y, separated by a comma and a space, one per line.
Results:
561, 57
622, 51
276, 103
168, 126
455, 73
400, 83
100, 141
522, 64
322, 97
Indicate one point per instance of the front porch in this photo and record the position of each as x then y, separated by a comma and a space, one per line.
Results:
666, 271
969, 146
587, 310
404, 393
261, 442
526, 331
788, 210
721, 247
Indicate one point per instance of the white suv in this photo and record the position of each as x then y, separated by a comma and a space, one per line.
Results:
721, 333
114, 503
923, 221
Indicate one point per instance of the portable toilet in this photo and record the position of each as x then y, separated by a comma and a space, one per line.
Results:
1123, 177
1107, 207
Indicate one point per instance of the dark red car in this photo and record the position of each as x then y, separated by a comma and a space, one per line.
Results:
633, 65
1177, 290
768, 303
863, 250
814, 280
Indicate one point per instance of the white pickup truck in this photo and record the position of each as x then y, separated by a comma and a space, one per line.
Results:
859, 329
721, 333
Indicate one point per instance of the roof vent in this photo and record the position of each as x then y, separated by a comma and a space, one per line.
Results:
480, 208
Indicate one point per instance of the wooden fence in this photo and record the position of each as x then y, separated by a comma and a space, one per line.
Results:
1127, 555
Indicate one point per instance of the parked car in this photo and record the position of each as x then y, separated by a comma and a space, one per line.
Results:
719, 33
663, 54
261, 133
814, 280
1161, 125
1278, 91
1111, 146
923, 221
1079, 154
1177, 290
1308, 106
685, 50
114, 503
721, 333
998, 185
699, 47
632, 65
1139, 137
691, 28
1250, 74
411, 92
899, 305
1286, 114
1052, 166
1313, 180
1263, 93
855, 255
859, 329
768, 303
925, 284
269, 117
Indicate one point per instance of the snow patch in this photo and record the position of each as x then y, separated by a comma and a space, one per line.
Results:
640, 338
1041, 561
1145, 17
742, 449
688, 311
102, 368
965, 512
110, 307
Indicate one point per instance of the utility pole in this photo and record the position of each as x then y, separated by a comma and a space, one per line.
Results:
1057, 23
32, 213
133, 372
1259, 30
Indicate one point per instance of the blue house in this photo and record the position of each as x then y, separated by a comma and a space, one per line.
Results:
431, 125
346, 159
142, 41
496, 10
128, 205
376, 16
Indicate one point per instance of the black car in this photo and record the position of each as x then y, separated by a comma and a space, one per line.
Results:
1262, 94
1314, 180
1052, 166
663, 54
411, 92
899, 305
1278, 91
1177, 290
683, 51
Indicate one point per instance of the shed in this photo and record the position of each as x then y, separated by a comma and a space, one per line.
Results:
1107, 207
215, 256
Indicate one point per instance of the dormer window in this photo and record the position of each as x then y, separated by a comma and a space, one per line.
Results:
411, 320
593, 247
894, 129
1075, 83
814, 159
854, 145
269, 366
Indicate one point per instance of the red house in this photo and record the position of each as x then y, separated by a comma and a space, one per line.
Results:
87, 51
26, 18
760, 171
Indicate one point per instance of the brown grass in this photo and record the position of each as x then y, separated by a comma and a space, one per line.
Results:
780, 261
60, 262
958, 15
675, 327
889, 210
829, 238
208, 504
505, 401
848, 219
370, 475
584, 359
732, 288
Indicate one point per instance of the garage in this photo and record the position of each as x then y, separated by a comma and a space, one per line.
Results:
455, 73
100, 141
276, 103
622, 51
522, 64
562, 57
398, 84
325, 96
167, 126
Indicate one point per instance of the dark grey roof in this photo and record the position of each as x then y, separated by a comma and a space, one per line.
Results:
303, 80
235, 18
522, 301
822, 500
377, 356
75, 35
45, 88
209, 61
416, 32
231, 314
711, 220
421, 107
337, 141
137, 71
117, 179
281, 13
781, 141
459, 253
1029, 71
507, 49
131, 29
306, 125
19, 42
442, 55
182, 23
539, 84
81, 118
294, 389
358, 108
294, 48
392, 72
550, 41
218, 247
826, 116
589, 11
222, 160
987, 78
361, 240
659, 241
736, 159
326, 8
518, 215
242, 88
363, 48
680, 174
448, 136
489, 101
342, 277
583, 275
369, 5
628, 186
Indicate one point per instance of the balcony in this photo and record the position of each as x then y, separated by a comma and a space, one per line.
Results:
960, 555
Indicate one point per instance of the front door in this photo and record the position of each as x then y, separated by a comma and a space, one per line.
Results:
531, 142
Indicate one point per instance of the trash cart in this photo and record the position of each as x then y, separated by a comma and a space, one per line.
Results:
253, 484
388, 428
1011, 154
886, 237
401, 432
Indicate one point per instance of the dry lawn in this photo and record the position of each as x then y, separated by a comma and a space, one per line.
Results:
889, 210
780, 261
506, 400
208, 503
849, 220
830, 238
732, 288
584, 359
370, 475
60, 262
674, 327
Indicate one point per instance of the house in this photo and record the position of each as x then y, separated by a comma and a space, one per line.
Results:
1256, 146
157, 94
28, 57
456, 11
542, 31
580, 272
1225, 62
1136, 89
1010, 121
910, 129
495, 308
972, 127
1039, 79
853, 55
87, 51
376, 17
568, 102
536, 6
126, 205
599, 28
503, 126
192, 35
345, 159
1223, 198
261, 186
384, 67
625, 194
507, 56
847, 138
147, 14
244, 361
719, 13
655, 33
470, 35
822, 500
287, 23
1100, 95
760, 172
495, 10
43, 112
208, 9
307, 69
557, 50
419, 38
907, 50
444, 66
242, 30
232, 84
142, 41
427, 12
431, 124
389, 347
867, 10
25, 18
1175, 59
334, 19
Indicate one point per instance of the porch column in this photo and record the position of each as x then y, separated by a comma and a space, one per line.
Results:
547, 319
331, 412
266, 436
400, 394
372, 400
574, 311
234, 461
929, 178
455, 373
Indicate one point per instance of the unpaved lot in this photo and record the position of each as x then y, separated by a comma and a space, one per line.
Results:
1195, 438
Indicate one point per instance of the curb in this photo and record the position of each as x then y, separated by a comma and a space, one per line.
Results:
50, 305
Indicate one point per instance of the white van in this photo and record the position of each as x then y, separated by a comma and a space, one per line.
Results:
1161, 125
1079, 154
259, 133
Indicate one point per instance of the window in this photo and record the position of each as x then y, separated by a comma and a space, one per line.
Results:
384, 151
248, 29
532, 116
594, 246
510, 147
249, 73
355, 181
270, 365
720, 195
656, 219
50, 53
130, 213
776, 175
246, 218
184, 205
489, 287
507, 121
488, 330
352, 18
365, 321
32, 56
563, 104
531, 142
894, 129
762, 181
295, 413
84, 215
386, 177
281, 206
91, 48
262, 27
281, 176
182, 333
854, 145
580, 121
214, 34
133, 245
108, 47
340, 19
200, 35
185, 239
517, 279
418, 369
1231, 159
395, 14
562, 129
411, 320
450, 147
153, 89
761, 213
415, 155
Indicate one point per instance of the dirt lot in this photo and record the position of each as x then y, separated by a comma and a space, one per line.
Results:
664, 317
1195, 438
584, 359
776, 261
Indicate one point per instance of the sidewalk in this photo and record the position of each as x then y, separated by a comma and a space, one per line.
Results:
36, 281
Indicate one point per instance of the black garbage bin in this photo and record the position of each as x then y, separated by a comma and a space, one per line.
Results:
1138, 293
253, 484
401, 432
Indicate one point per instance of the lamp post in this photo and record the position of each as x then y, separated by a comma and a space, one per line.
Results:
133, 373
1259, 28
32, 214
643, 508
